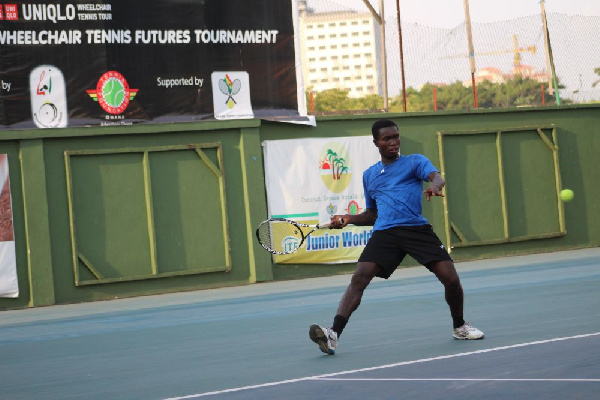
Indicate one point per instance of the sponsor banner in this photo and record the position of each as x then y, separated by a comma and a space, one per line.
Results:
48, 97
9, 286
309, 180
231, 95
73, 63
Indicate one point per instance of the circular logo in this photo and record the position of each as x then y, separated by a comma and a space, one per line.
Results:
48, 115
113, 92
290, 243
334, 165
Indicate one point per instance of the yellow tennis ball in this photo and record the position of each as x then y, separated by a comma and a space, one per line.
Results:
566, 195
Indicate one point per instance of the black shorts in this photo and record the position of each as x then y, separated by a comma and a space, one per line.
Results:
388, 248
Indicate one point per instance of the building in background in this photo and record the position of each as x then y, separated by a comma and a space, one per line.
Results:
340, 51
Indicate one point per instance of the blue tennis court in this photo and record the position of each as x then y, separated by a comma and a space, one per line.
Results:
540, 314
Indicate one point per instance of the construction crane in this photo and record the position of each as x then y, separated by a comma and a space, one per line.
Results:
516, 50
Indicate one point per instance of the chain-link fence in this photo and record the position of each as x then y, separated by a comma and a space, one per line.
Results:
513, 64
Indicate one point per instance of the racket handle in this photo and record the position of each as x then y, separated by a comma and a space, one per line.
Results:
328, 225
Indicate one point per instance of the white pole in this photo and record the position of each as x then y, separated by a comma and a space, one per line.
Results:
471, 50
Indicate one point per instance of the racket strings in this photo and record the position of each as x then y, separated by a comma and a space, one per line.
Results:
280, 236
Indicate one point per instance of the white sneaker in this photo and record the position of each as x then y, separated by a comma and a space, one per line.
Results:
467, 332
326, 338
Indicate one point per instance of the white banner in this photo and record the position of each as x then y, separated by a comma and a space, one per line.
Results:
9, 286
309, 180
231, 95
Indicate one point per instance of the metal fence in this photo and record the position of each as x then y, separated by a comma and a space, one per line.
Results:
511, 57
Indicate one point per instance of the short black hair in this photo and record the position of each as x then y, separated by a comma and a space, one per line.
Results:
382, 123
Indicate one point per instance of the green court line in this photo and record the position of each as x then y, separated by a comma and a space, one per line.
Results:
289, 216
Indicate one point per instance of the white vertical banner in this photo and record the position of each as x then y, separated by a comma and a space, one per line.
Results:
48, 94
309, 180
9, 286
231, 95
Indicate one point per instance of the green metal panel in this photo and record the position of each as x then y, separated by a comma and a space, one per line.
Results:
503, 186
37, 229
139, 213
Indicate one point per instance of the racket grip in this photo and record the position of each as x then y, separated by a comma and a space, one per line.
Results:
328, 225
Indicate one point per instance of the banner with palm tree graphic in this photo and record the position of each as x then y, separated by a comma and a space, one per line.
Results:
309, 180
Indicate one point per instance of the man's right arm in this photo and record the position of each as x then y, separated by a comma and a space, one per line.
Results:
366, 218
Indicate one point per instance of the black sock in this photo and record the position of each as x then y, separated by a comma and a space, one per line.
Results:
458, 321
339, 323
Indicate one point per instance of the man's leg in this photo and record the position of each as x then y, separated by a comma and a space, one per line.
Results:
447, 275
363, 274
326, 338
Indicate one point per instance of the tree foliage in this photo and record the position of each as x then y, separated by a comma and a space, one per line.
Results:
517, 92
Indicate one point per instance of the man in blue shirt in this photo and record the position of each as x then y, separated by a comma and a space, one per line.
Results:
393, 188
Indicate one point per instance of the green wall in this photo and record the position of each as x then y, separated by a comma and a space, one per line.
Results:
109, 212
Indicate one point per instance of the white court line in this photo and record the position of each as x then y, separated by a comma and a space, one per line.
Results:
457, 379
324, 376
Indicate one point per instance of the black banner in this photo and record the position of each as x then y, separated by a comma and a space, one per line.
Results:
73, 63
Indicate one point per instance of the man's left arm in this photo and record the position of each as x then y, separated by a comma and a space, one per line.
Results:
435, 188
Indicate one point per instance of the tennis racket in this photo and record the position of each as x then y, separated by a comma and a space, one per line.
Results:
284, 236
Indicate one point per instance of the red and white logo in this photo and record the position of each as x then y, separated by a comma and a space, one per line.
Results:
11, 12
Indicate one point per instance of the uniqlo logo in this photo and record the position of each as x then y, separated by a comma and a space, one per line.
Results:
10, 12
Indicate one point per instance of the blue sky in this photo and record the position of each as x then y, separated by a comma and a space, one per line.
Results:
449, 13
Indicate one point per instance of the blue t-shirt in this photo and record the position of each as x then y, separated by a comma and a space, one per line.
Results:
396, 190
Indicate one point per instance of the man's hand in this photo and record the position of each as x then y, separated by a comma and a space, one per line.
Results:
433, 191
437, 184
339, 221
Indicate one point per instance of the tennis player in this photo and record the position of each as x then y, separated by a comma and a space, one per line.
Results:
393, 188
